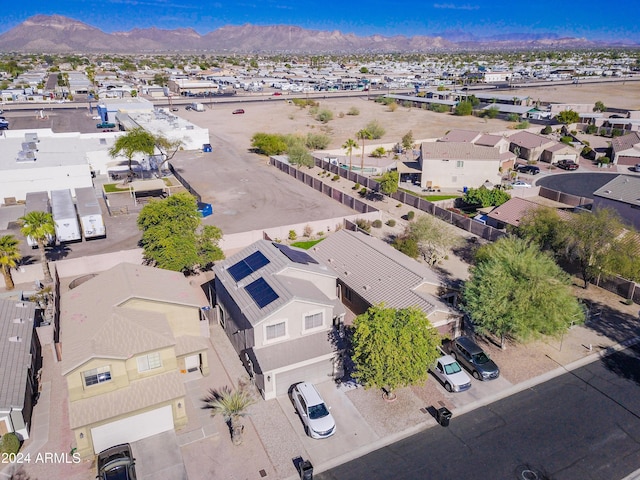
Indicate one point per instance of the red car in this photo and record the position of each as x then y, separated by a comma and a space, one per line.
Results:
277, 94
238, 111
567, 165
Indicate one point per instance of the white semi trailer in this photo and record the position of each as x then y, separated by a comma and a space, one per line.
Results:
90, 213
37, 202
64, 216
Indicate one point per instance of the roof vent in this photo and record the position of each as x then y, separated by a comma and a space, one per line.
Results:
15, 339
367, 287
21, 305
607, 191
18, 320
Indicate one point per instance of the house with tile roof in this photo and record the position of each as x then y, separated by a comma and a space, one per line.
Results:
371, 272
625, 150
621, 194
459, 164
21, 360
560, 151
529, 146
128, 338
279, 307
513, 210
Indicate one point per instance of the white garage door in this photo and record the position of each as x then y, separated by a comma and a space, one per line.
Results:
132, 428
314, 373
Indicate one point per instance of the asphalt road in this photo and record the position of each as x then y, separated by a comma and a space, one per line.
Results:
580, 426
577, 183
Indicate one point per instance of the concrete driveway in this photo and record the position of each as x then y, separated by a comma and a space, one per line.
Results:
352, 431
159, 457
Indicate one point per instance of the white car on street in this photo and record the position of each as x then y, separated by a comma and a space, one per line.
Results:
520, 184
318, 422
450, 373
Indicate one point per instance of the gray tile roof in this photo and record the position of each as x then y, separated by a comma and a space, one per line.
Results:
275, 273
623, 188
376, 271
488, 140
458, 151
16, 322
284, 354
515, 208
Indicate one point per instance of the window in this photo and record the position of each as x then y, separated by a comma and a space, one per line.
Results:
313, 321
276, 331
347, 293
97, 375
149, 362
459, 164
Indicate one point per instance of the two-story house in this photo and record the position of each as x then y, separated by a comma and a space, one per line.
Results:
529, 146
278, 306
127, 338
21, 360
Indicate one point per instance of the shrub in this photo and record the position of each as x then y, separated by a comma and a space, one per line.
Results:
335, 178
375, 129
324, 116
628, 301
463, 108
411, 214
292, 235
566, 139
398, 205
407, 245
513, 117
320, 233
392, 108
353, 111
592, 129
307, 231
522, 125
377, 224
317, 141
378, 152
391, 222
363, 192
546, 130
364, 225
616, 132
356, 186
10, 443
574, 132
604, 160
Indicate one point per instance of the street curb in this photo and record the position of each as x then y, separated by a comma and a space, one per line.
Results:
532, 382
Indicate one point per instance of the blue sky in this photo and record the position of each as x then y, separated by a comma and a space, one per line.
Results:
593, 19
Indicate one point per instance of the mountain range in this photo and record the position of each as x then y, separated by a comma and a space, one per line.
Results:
58, 34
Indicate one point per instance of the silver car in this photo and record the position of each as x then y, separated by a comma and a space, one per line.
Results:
318, 422
450, 373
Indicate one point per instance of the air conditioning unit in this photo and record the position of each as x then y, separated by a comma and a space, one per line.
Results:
31, 137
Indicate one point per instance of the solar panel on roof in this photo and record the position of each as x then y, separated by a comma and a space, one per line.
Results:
261, 292
295, 255
247, 266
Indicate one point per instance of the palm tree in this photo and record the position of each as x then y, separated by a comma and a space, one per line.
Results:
349, 146
9, 256
363, 135
39, 226
232, 405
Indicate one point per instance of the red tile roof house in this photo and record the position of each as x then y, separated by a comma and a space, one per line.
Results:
128, 337
455, 165
529, 146
626, 149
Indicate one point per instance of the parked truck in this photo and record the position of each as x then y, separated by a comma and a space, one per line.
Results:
64, 216
198, 107
37, 202
90, 213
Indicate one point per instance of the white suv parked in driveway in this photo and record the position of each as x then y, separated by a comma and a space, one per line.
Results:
450, 373
318, 422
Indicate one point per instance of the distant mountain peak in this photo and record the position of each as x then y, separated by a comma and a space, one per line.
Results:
59, 34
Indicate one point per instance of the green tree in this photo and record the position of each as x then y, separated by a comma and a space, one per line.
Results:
364, 70
379, 152
568, 116
160, 79
463, 108
317, 141
485, 197
137, 140
491, 112
300, 155
41, 228
393, 348
349, 145
324, 116
171, 237
232, 405
363, 135
544, 227
269, 144
389, 182
433, 237
407, 140
624, 259
9, 258
589, 241
599, 107
519, 293
167, 148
